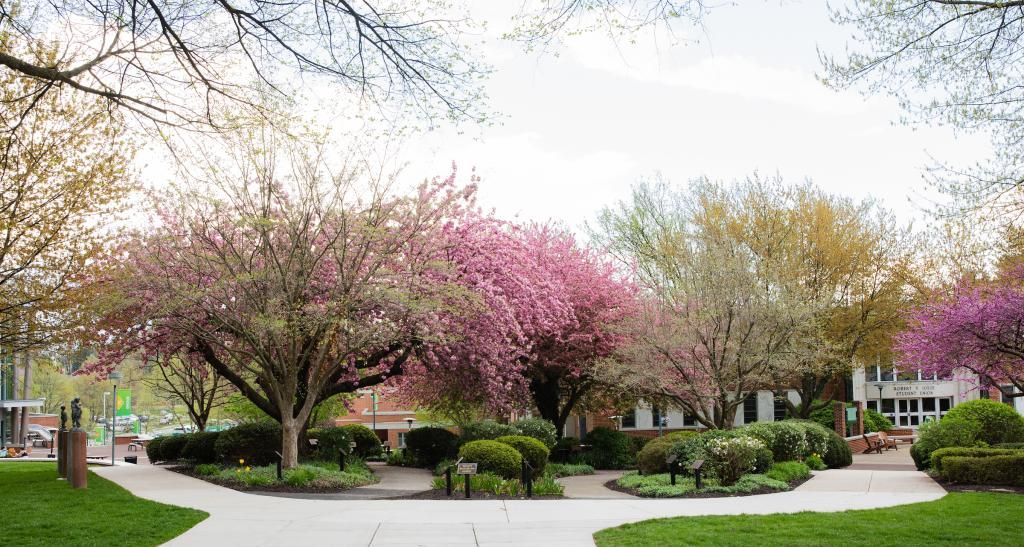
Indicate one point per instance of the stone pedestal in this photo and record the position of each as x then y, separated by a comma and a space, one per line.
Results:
62, 454
858, 428
78, 470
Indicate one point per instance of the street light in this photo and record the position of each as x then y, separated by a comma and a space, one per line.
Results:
114, 376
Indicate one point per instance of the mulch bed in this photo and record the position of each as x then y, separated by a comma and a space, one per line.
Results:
241, 487
612, 485
461, 496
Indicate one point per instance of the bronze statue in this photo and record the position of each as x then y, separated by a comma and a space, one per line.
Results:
76, 413
63, 418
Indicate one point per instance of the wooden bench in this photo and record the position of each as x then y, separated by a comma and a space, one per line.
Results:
888, 442
875, 444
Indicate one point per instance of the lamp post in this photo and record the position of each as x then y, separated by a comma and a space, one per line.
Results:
408, 421
114, 376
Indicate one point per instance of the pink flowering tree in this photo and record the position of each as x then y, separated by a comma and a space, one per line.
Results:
979, 328
550, 313
293, 291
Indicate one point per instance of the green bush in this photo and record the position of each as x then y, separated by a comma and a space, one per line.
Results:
992, 470
566, 450
328, 441
494, 484
494, 457
299, 476
532, 450
785, 439
367, 442
556, 470
153, 450
172, 446
431, 445
949, 431
207, 470
256, 443
538, 428
659, 486
731, 458
485, 430
763, 460
977, 452
609, 449
651, 459
815, 462
839, 453
816, 436
789, 471
999, 422
200, 447
1015, 446
873, 421
402, 458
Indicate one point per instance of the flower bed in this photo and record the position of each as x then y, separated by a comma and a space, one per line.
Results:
307, 477
781, 477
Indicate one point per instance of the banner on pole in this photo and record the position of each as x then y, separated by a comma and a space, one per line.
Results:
124, 402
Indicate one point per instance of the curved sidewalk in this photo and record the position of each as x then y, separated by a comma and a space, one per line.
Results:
237, 518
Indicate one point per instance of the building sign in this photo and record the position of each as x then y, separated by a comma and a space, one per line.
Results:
467, 469
912, 390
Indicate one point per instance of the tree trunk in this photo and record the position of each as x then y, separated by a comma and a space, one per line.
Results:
546, 398
289, 441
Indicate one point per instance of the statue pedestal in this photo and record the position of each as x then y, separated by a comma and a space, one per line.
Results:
62, 454
77, 469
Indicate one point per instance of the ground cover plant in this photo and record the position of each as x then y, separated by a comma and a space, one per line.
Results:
310, 476
660, 486
498, 486
49, 512
956, 519
556, 470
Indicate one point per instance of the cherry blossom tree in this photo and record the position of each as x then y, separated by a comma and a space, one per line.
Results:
979, 327
290, 283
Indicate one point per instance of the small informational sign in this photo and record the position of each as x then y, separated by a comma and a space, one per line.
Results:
352, 444
671, 459
851, 415
467, 469
697, 464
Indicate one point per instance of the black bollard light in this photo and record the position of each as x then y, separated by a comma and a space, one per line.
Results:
672, 472
448, 480
341, 459
280, 460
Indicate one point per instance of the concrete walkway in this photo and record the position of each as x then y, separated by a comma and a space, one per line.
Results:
394, 482
592, 487
237, 518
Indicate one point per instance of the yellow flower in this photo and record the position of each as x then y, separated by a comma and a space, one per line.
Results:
247, 468
241, 462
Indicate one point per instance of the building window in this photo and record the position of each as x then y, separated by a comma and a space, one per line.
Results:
779, 409
655, 416
1003, 394
750, 409
874, 374
873, 405
689, 420
629, 419
401, 439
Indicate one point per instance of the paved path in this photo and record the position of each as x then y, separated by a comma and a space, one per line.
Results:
592, 486
897, 459
394, 482
241, 519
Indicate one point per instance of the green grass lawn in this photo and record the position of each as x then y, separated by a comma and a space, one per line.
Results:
37, 509
958, 518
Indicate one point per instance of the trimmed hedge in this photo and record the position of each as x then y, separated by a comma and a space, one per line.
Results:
1014, 446
941, 454
430, 445
949, 431
992, 470
153, 450
532, 450
651, 458
839, 453
367, 442
493, 457
787, 439
609, 449
816, 436
999, 422
538, 428
256, 443
485, 430
200, 447
170, 449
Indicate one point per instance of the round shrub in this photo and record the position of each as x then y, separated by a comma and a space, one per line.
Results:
367, 442
816, 436
532, 450
651, 458
538, 428
609, 449
949, 431
731, 458
839, 453
329, 440
485, 430
200, 447
153, 450
430, 445
256, 443
875, 421
999, 422
493, 457
172, 446
565, 449
786, 439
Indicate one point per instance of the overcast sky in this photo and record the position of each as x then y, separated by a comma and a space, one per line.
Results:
578, 129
